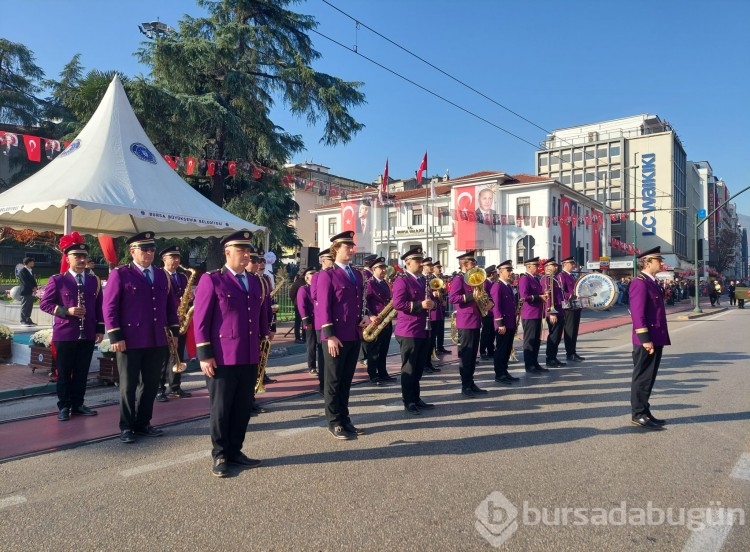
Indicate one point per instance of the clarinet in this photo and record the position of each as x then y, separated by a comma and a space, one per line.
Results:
81, 320
427, 295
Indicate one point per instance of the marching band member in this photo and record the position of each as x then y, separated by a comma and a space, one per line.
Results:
326, 262
258, 264
650, 335
487, 335
307, 313
378, 295
339, 294
411, 300
138, 306
504, 320
74, 299
437, 315
366, 275
427, 275
170, 256
572, 314
230, 321
468, 322
552, 288
532, 312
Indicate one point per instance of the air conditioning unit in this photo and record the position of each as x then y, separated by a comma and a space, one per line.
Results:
593, 136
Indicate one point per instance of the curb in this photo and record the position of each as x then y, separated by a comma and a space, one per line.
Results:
694, 315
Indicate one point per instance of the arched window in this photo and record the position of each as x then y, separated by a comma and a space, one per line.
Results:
525, 249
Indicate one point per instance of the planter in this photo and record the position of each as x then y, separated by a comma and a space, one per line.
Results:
6, 349
108, 370
41, 357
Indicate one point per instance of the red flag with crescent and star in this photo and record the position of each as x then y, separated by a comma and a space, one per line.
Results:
422, 169
466, 234
348, 215
33, 147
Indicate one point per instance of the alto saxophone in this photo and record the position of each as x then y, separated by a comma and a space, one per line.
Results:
265, 348
373, 329
185, 310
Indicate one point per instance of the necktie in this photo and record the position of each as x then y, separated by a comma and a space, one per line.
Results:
350, 272
79, 277
241, 279
175, 280
147, 274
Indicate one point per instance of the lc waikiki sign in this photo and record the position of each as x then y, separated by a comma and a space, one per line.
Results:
648, 193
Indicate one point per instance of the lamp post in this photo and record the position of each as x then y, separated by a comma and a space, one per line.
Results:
698, 224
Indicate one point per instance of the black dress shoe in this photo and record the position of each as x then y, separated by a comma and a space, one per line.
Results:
560, 363
377, 381
268, 379
149, 431
511, 378
64, 414
468, 393
127, 436
532, 370
433, 369
242, 460
541, 368
83, 410
483, 357
423, 405
504, 380
340, 433
645, 422
388, 378
477, 390
656, 420
348, 426
179, 394
444, 352
575, 358
255, 410
412, 409
219, 469
161, 397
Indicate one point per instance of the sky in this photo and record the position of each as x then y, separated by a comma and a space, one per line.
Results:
555, 64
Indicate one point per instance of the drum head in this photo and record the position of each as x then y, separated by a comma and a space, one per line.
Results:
596, 291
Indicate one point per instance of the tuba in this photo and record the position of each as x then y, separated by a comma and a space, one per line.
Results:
475, 277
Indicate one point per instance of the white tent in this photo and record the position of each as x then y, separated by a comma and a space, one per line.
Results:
111, 180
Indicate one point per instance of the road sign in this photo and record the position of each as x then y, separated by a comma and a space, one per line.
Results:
701, 213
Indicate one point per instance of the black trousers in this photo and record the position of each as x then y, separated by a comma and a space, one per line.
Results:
140, 371
169, 376
415, 351
503, 349
311, 340
570, 330
532, 341
554, 336
468, 345
338, 380
645, 367
72, 362
321, 362
377, 354
27, 305
487, 338
299, 332
437, 334
231, 395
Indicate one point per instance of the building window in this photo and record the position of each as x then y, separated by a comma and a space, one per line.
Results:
332, 226
525, 249
577, 155
444, 217
590, 176
566, 178
442, 254
393, 253
601, 151
523, 206
566, 156
543, 160
614, 150
416, 216
554, 160
577, 177
391, 218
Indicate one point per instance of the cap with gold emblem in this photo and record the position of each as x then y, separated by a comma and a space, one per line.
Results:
568, 260
172, 250
380, 261
238, 239
654, 253
490, 269
346, 237
468, 256
144, 238
532, 261
506, 264
415, 253
325, 254
427, 261
551, 261
77, 249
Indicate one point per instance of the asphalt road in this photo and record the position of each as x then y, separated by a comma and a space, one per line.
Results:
559, 449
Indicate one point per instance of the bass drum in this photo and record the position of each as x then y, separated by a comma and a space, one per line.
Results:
596, 291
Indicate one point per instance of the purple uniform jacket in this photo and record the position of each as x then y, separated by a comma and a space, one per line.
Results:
408, 294
557, 291
60, 293
340, 304
228, 322
468, 316
647, 312
568, 282
305, 305
438, 313
378, 295
138, 312
529, 289
179, 283
317, 314
504, 311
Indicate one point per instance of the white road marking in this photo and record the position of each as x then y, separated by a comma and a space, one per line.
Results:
166, 463
293, 431
11, 501
742, 468
712, 537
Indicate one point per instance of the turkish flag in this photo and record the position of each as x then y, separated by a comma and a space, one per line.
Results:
348, 214
463, 201
108, 248
33, 147
170, 161
422, 169
232, 168
211, 168
190, 165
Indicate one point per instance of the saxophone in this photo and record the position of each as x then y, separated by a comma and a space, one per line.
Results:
265, 348
373, 329
185, 310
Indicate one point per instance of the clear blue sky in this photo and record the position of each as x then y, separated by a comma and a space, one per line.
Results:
558, 64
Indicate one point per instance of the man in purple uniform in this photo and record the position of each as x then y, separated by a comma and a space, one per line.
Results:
504, 315
74, 298
487, 335
553, 312
571, 308
532, 311
378, 294
140, 314
305, 307
650, 335
412, 301
326, 263
339, 292
230, 321
468, 323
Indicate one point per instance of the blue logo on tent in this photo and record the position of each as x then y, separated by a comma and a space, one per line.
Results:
74, 145
142, 153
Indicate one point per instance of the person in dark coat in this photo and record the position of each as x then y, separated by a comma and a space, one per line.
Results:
28, 287
532, 312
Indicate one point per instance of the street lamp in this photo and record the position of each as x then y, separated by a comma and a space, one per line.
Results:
155, 29
698, 224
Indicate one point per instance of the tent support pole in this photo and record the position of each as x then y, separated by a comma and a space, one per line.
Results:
68, 224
